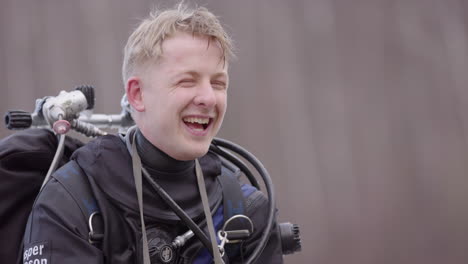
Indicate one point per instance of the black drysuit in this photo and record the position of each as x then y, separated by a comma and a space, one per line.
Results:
25, 157
57, 232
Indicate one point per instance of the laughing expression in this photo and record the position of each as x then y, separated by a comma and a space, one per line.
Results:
184, 96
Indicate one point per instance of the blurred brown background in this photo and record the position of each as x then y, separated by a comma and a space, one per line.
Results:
359, 109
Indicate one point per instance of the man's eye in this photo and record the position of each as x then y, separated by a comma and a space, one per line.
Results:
219, 85
187, 83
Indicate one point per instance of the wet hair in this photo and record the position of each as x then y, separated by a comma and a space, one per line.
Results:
145, 43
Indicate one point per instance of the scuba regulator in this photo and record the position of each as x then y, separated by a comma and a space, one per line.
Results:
73, 111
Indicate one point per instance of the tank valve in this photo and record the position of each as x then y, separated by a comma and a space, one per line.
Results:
18, 119
290, 238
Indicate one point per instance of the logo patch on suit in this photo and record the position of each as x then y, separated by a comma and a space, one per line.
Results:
37, 253
166, 254
160, 246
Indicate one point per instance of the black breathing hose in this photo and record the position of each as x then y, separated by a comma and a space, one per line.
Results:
179, 212
217, 146
268, 184
238, 162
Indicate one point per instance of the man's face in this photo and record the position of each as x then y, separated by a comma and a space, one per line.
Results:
184, 95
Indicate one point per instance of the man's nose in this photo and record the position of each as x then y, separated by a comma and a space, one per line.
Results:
205, 95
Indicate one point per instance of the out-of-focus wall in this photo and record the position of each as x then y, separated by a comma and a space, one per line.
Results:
359, 109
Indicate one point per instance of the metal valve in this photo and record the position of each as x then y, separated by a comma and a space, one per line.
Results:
88, 92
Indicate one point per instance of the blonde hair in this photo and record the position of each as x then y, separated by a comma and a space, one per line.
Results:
145, 43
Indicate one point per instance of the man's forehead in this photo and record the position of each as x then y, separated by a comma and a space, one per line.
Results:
174, 46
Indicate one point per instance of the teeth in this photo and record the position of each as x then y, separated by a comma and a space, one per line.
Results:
197, 120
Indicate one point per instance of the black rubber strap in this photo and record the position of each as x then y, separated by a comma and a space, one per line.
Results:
233, 198
233, 204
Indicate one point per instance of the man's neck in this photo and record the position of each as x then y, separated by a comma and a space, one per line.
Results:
154, 158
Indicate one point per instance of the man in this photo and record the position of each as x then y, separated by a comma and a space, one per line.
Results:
175, 72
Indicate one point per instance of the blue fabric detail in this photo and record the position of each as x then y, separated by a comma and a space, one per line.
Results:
68, 171
234, 210
204, 256
90, 205
247, 190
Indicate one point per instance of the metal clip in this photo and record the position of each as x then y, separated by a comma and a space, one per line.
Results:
223, 237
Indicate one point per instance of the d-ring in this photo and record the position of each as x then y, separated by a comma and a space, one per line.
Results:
239, 216
91, 230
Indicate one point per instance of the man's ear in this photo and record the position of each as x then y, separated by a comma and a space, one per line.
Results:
135, 93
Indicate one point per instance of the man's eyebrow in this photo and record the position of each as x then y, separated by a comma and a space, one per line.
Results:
196, 74
183, 74
220, 75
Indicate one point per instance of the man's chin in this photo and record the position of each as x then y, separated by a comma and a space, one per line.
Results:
191, 153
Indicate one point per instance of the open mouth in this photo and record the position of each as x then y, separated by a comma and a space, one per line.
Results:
198, 124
